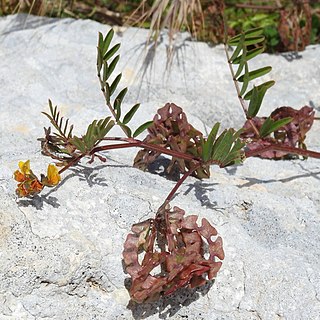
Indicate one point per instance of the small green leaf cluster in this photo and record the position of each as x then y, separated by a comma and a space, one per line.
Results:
63, 131
106, 64
241, 55
271, 125
248, 46
63, 142
226, 149
96, 131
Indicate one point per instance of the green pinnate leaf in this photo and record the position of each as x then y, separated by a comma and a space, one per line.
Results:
121, 95
117, 108
112, 66
111, 52
245, 80
224, 145
227, 148
79, 144
255, 102
107, 91
256, 99
270, 125
256, 73
106, 43
127, 130
266, 85
105, 72
99, 61
115, 83
96, 131
208, 144
143, 127
130, 113
235, 156
242, 63
252, 37
238, 48
250, 55
64, 132
118, 102
254, 32
249, 41
100, 40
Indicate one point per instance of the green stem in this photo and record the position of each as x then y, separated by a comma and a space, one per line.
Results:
109, 104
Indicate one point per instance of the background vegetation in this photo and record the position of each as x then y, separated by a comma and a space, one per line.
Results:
288, 25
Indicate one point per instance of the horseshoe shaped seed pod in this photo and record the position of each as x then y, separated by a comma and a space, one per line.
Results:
174, 251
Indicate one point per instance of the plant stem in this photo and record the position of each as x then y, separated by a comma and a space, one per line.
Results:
235, 82
109, 104
130, 144
181, 180
242, 102
138, 143
274, 147
71, 163
162, 223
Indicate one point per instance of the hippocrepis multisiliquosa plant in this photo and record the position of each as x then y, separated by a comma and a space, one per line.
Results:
171, 250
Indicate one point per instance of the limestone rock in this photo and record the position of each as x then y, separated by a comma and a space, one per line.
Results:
61, 251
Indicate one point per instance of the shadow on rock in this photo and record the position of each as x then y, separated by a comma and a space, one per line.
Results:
90, 174
253, 181
167, 307
291, 56
160, 166
200, 190
38, 201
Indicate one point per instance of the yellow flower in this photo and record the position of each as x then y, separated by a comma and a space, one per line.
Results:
29, 187
29, 183
19, 176
25, 167
53, 176
24, 171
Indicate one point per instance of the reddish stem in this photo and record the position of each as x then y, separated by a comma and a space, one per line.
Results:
179, 183
299, 151
130, 144
152, 147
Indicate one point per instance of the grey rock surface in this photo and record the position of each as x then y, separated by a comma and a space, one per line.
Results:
61, 252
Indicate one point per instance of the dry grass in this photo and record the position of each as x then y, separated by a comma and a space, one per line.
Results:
36, 7
175, 15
